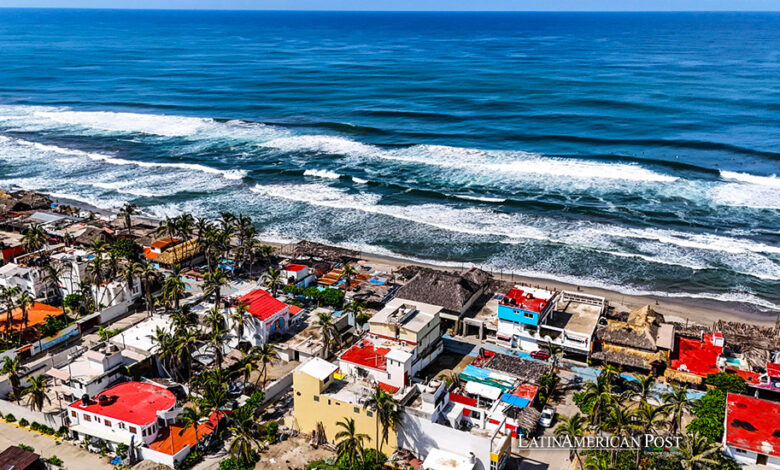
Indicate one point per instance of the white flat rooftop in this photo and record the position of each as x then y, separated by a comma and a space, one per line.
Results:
140, 336
438, 459
318, 368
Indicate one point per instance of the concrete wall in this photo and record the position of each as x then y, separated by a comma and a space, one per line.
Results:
53, 420
59, 338
278, 387
420, 436
161, 458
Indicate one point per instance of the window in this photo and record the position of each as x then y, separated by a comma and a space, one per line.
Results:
133, 429
357, 410
73, 413
740, 451
328, 401
120, 425
316, 398
97, 419
369, 414
107, 423
529, 315
87, 418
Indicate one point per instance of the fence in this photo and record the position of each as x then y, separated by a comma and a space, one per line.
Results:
52, 419
278, 387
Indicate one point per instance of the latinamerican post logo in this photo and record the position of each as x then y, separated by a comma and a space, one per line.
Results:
646, 442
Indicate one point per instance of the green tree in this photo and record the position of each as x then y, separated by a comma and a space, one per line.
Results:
272, 278
126, 211
213, 283
37, 392
731, 383
34, 238
573, 427
266, 354
697, 452
386, 409
347, 274
677, 403
709, 415
328, 330
246, 435
13, 368
349, 442
127, 249
191, 417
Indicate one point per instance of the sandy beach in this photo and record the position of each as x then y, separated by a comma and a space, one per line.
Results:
684, 310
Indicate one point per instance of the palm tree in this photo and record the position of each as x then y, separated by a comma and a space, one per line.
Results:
200, 226
677, 403
34, 238
8, 296
572, 426
24, 300
347, 274
126, 211
620, 422
174, 287
165, 347
186, 341
649, 418
13, 367
354, 307
130, 272
246, 435
39, 386
226, 220
601, 394
555, 352
148, 275
214, 319
266, 354
350, 442
191, 417
216, 339
184, 318
598, 461
387, 415
327, 329
272, 278
697, 451
239, 318
642, 388
51, 277
212, 284
246, 365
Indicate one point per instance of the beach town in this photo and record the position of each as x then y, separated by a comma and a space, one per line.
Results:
187, 343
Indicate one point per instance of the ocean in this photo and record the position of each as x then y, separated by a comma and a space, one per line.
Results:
631, 151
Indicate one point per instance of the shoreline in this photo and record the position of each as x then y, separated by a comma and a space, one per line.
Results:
680, 309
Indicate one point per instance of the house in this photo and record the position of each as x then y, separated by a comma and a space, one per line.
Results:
269, 316
694, 359
403, 338
320, 401
129, 412
91, 370
530, 317
298, 274
752, 434
448, 430
639, 340
37, 313
30, 279
15, 458
454, 292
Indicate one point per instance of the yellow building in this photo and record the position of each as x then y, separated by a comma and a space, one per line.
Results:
321, 398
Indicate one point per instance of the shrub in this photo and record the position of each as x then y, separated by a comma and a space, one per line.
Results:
121, 450
62, 431
233, 463
710, 413
47, 430
272, 431
10, 418
331, 297
23, 422
26, 447
727, 382
54, 460
35, 426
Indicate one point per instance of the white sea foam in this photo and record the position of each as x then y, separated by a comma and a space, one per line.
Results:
359, 180
322, 174
771, 181
230, 174
479, 198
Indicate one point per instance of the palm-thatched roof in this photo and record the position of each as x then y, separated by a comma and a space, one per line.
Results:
452, 291
526, 370
639, 330
179, 253
31, 200
623, 359
90, 235
307, 249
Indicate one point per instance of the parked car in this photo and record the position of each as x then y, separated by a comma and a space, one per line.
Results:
541, 354
548, 414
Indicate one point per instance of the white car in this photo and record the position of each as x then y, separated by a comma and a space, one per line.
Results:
548, 414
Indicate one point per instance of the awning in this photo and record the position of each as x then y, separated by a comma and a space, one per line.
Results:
485, 391
514, 400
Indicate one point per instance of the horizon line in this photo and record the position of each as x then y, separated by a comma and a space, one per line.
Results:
378, 11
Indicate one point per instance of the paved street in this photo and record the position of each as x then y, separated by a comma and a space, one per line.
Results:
74, 458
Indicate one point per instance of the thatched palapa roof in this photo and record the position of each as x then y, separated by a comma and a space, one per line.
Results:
524, 369
91, 235
452, 291
640, 330
307, 249
178, 253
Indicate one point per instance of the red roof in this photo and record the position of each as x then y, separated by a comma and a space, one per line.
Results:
753, 424
294, 268
136, 403
457, 398
172, 439
387, 387
773, 369
365, 354
526, 391
162, 243
750, 377
262, 304
526, 301
150, 254
295, 310
697, 357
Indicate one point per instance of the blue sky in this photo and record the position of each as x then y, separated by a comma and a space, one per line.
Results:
404, 5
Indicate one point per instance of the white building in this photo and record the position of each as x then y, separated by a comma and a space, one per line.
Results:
752, 436
269, 316
29, 279
403, 338
91, 370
